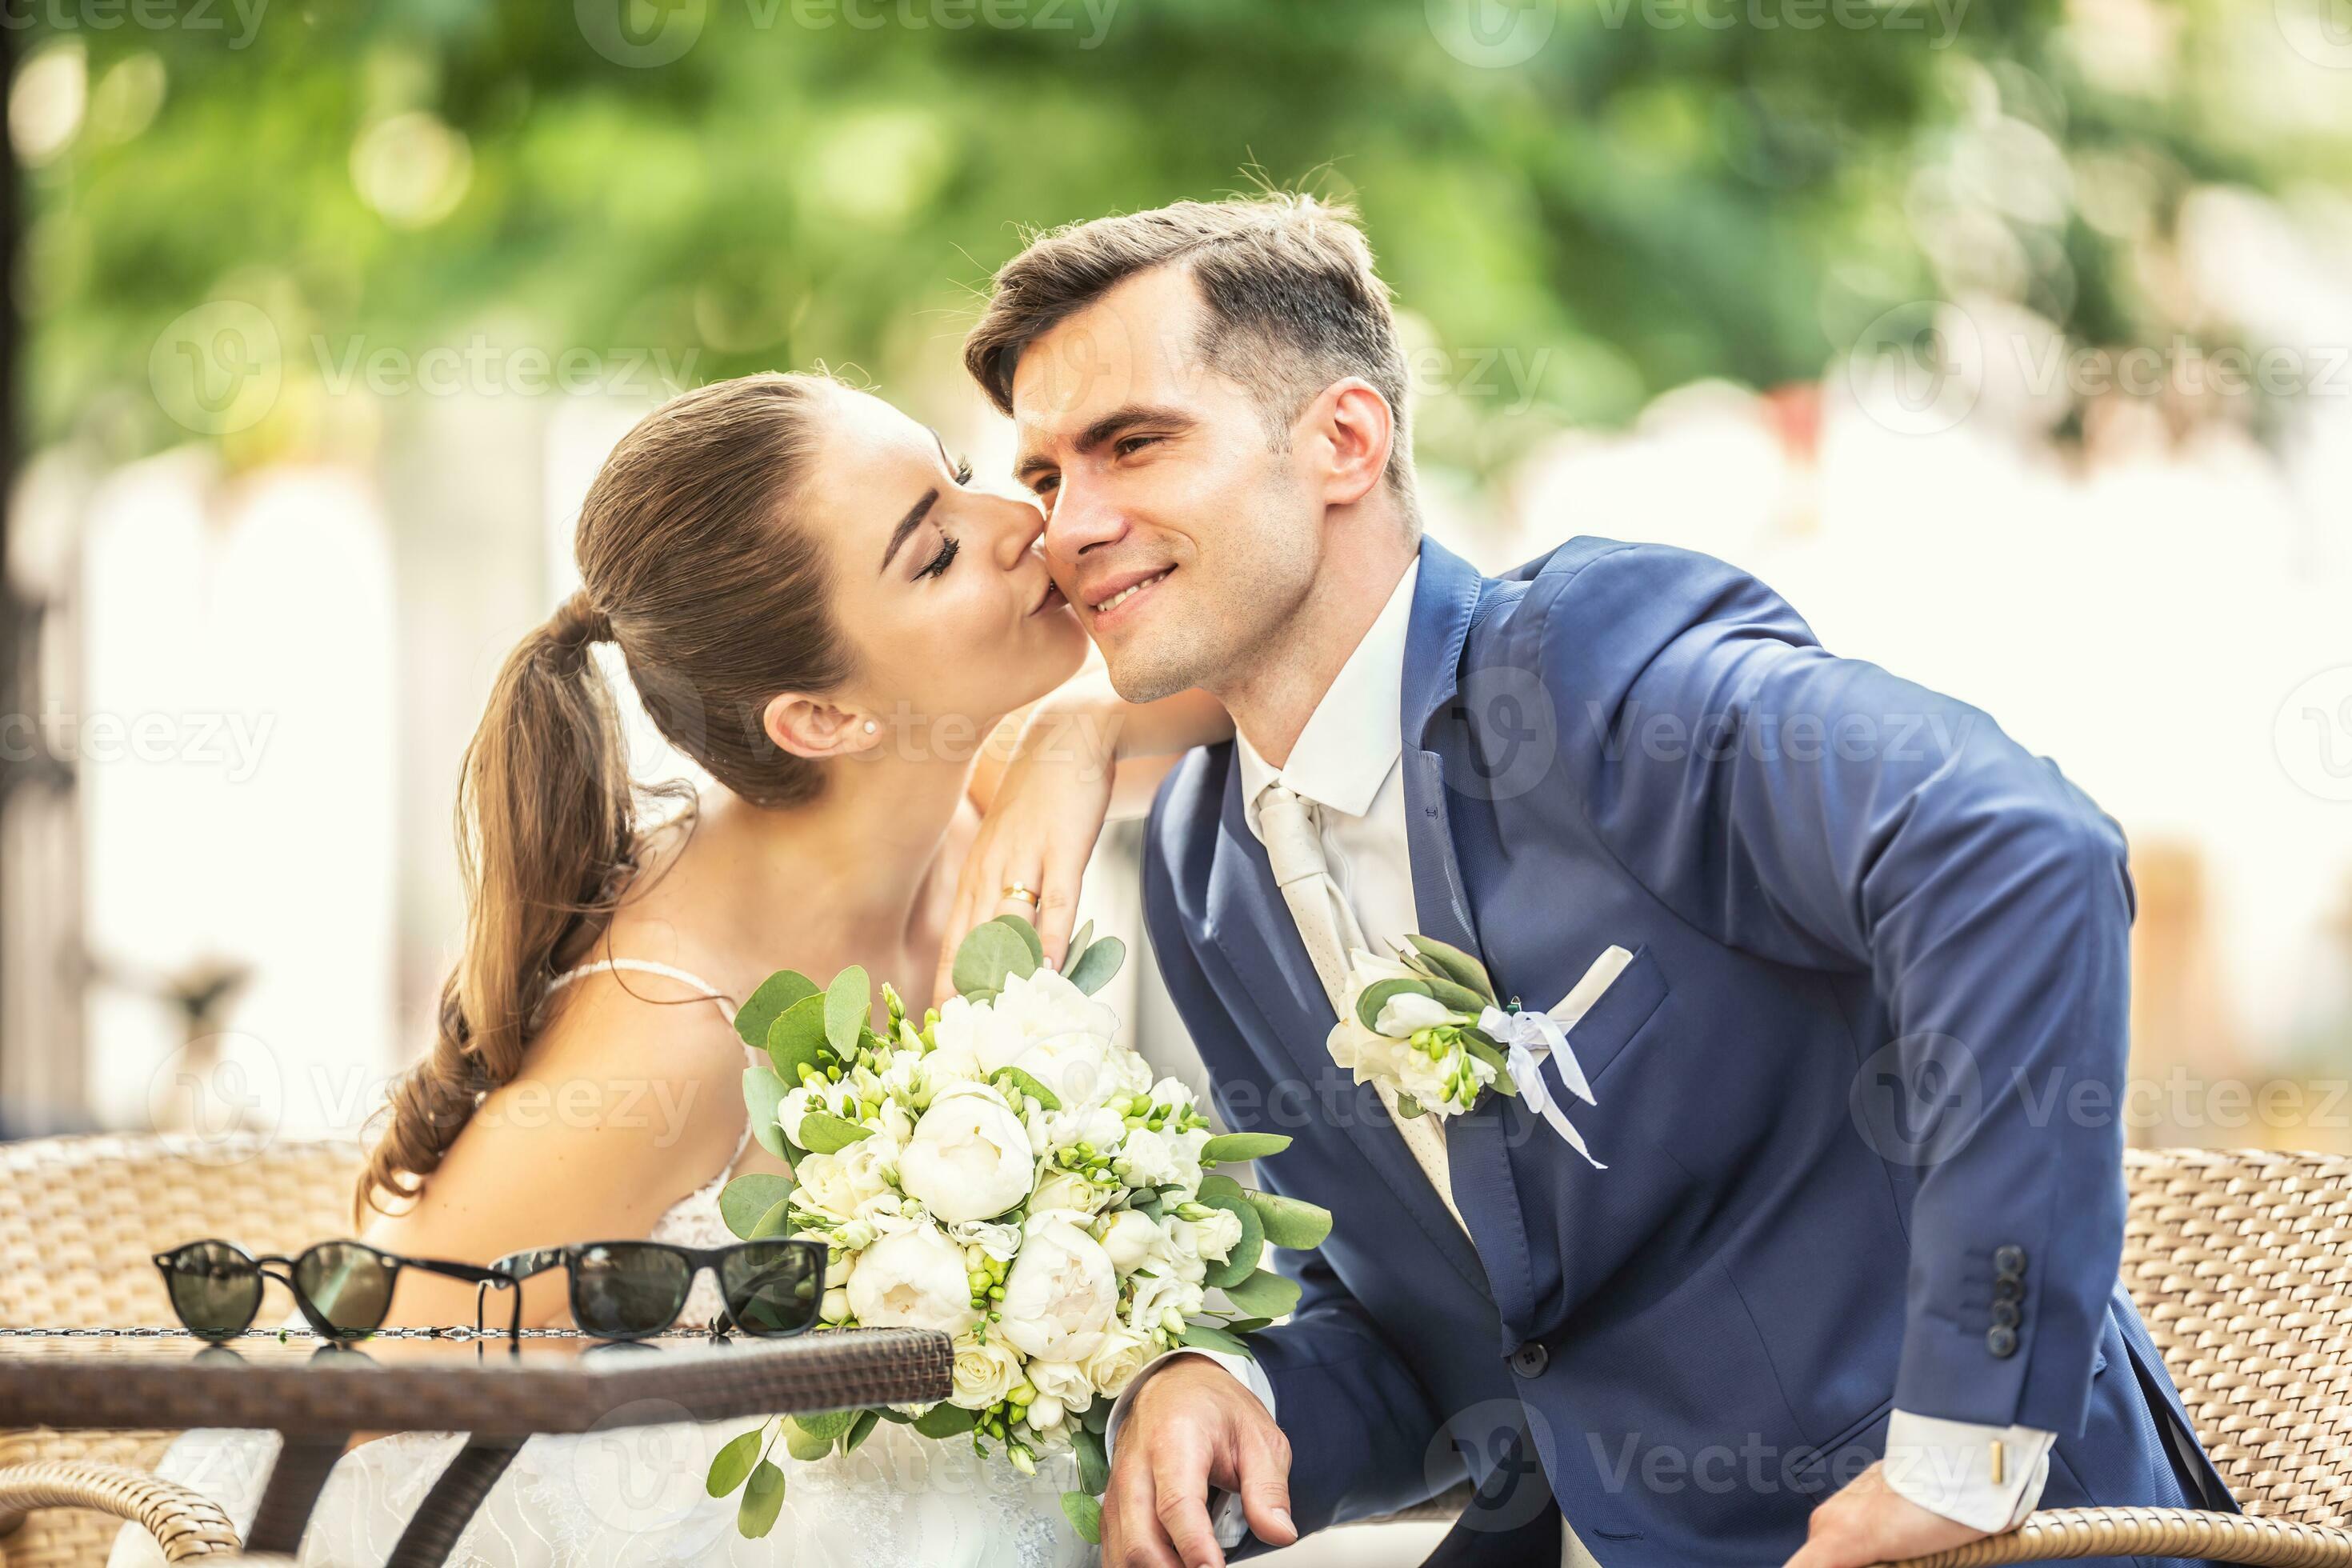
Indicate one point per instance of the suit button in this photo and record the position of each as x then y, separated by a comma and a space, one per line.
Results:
2009, 1288
2001, 1340
1531, 1359
2004, 1314
2010, 1260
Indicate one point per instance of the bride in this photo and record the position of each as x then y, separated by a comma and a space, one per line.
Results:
816, 607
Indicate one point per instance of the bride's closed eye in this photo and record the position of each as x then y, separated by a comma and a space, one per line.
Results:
941, 562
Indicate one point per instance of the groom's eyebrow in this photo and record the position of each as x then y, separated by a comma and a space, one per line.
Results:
1109, 428
907, 524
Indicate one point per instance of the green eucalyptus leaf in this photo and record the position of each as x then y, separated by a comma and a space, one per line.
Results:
764, 1006
1229, 1147
1020, 927
762, 1092
1376, 996
1096, 1419
824, 1133
847, 1002
1460, 998
793, 1037
1242, 1261
1248, 1325
1022, 1083
1148, 1203
1085, 1515
743, 1201
1485, 1050
1407, 1106
1085, 934
989, 955
1094, 1463
731, 1465
860, 1429
1458, 966
1213, 1184
803, 1445
942, 1421
1098, 965
1265, 1295
1209, 1337
777, 1220
829, 1424
1289, 1222
762, 1500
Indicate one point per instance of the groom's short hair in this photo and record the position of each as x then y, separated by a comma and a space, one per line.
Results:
1293, 302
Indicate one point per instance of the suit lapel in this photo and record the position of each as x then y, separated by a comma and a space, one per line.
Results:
1252, 928
1478, 1144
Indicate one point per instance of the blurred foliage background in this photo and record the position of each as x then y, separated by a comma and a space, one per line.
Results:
1658, 191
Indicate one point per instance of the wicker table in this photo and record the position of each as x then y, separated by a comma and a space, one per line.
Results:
319, 1395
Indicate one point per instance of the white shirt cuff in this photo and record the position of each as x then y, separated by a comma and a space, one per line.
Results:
1225, 1508
1987, 1478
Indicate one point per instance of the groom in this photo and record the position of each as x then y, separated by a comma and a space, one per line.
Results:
1827, 1290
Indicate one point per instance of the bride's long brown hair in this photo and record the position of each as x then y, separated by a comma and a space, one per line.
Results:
690, 562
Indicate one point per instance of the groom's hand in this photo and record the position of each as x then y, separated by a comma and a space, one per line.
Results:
1870, 1522
1192, 1427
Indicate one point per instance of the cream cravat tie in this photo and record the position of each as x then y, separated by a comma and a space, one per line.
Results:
1294, 847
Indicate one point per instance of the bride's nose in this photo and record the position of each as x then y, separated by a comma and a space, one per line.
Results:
1018, 524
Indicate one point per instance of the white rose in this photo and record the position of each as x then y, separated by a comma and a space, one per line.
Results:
1406, 1011
984, 1373
1116, 1360
1068, 1191
1147, 1159
915, 1279
1154, 1294
970, 1157
1060, 1293
1065, 1382
1046, 1004
1131, 1240
1215, 1237
850, 1184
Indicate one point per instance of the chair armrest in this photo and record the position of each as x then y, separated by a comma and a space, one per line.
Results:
2062, 1532
185, 1522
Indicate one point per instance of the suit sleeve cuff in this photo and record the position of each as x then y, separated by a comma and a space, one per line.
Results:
1987, 1478
1224, 1507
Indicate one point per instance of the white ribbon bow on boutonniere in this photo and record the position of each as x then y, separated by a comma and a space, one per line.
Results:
1428, 1026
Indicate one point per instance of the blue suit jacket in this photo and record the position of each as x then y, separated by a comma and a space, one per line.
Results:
1877, 944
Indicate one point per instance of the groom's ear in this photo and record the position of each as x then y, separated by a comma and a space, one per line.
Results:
1352, 429
814, 728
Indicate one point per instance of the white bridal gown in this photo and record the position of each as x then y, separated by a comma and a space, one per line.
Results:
634, 1495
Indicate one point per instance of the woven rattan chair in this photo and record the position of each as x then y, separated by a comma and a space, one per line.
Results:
81, 1221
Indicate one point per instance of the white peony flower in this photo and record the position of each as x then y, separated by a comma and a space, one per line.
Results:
1132, 1240
1065, 1382
1061, 1291
982, 1034
1123, 1353
970, 1157
915, 1279
1176, 1096
1046, 1004
984, 1372
1078, 1068
1214, 1238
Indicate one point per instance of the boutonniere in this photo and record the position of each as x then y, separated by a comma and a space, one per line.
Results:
1427, 1024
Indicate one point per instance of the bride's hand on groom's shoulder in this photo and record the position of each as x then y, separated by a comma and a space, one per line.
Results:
1193, 1425
1043, 807
1869, 1521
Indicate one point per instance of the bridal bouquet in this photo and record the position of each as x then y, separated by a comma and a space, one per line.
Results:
1001, 1172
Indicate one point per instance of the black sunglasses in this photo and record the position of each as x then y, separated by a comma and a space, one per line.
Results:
629, 1289
343, 1288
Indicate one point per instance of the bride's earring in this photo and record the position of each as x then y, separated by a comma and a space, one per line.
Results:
871, 726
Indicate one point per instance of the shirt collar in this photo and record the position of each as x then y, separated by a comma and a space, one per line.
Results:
1355, 735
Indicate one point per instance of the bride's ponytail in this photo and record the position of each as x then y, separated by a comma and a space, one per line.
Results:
544, 831
694, 567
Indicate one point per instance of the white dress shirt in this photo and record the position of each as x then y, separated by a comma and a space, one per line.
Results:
1345, 764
